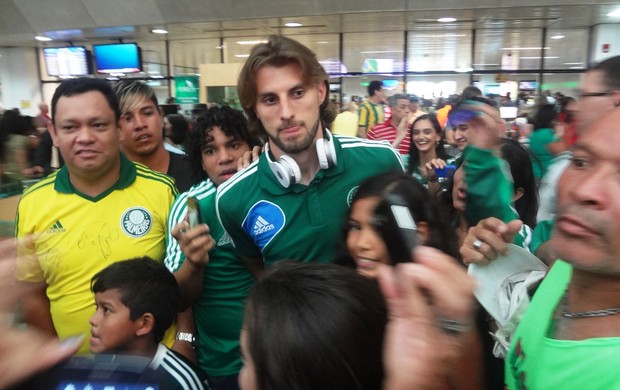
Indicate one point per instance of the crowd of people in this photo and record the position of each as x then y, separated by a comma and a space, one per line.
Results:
260, 250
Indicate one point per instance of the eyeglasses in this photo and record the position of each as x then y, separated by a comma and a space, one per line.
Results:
593, 94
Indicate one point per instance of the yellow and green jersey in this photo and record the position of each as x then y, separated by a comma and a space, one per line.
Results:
370, 114
74, 236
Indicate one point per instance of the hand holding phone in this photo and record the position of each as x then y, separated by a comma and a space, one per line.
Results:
193, 212
445, 172
393, 220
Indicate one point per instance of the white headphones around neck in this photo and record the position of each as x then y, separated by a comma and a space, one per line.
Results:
288, 172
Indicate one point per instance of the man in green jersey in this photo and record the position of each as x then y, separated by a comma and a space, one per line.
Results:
289, 204
210, 275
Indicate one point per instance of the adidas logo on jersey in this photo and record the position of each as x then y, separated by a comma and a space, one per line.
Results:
261, 226
57, 228
225, 240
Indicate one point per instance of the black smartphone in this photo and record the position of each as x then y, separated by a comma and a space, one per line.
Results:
392, 218
193, 212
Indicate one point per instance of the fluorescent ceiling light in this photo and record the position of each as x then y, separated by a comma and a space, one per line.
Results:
576, 67
463, 70
42, 38
242, 55
256, 42
524, 48
322, 42
159, 31
446, 19
615, 13
293, 24
486, 64
573, 63
380, 51
538, 58
558, 36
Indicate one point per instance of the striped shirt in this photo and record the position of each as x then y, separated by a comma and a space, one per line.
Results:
370, 114
385, 131
171, 371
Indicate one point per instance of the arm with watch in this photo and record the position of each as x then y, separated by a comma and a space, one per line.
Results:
185, 340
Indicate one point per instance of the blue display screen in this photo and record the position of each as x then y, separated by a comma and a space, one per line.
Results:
117, 58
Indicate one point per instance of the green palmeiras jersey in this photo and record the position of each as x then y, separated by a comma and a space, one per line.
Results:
302, 222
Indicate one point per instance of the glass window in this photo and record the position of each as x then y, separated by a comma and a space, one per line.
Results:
436, 86
187, 55
565, 83
378, 52
448, 50
514, 49
568, 49
356, 87
325, 46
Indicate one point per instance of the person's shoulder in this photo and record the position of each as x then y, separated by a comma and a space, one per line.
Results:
154, 178
184, 372
241, 181
356, 144
369, 151
41, 187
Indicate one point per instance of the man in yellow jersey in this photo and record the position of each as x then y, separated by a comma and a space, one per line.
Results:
371, 111
98, 209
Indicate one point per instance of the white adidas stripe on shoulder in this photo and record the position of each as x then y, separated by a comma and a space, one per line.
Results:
366, 143
240, 176
184, 375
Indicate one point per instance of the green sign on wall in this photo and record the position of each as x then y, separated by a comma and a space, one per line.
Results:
187, 89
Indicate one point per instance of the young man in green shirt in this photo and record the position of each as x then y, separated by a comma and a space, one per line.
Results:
290, 203
211, 277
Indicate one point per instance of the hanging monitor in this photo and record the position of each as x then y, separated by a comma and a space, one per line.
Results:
67, 61
118, 58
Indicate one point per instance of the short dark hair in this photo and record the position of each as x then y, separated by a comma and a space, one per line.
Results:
471, 91
611, 71
374, 86
180, 127
280, 51
316, 326
127, 90
146, 286
233, 124
72, 87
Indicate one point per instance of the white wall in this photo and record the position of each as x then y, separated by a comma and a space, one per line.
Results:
19, 80
605, 34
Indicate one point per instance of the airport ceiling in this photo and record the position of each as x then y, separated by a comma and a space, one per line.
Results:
94, 21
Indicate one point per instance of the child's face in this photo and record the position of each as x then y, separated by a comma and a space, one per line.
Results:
364, 243
111, 328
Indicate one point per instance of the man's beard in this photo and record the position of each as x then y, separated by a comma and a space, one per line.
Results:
295, 147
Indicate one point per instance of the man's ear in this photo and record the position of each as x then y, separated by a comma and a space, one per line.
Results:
616, 95
322, 89
52, 130
145, 324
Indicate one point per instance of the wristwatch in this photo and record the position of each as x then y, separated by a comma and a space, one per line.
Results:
186, 336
